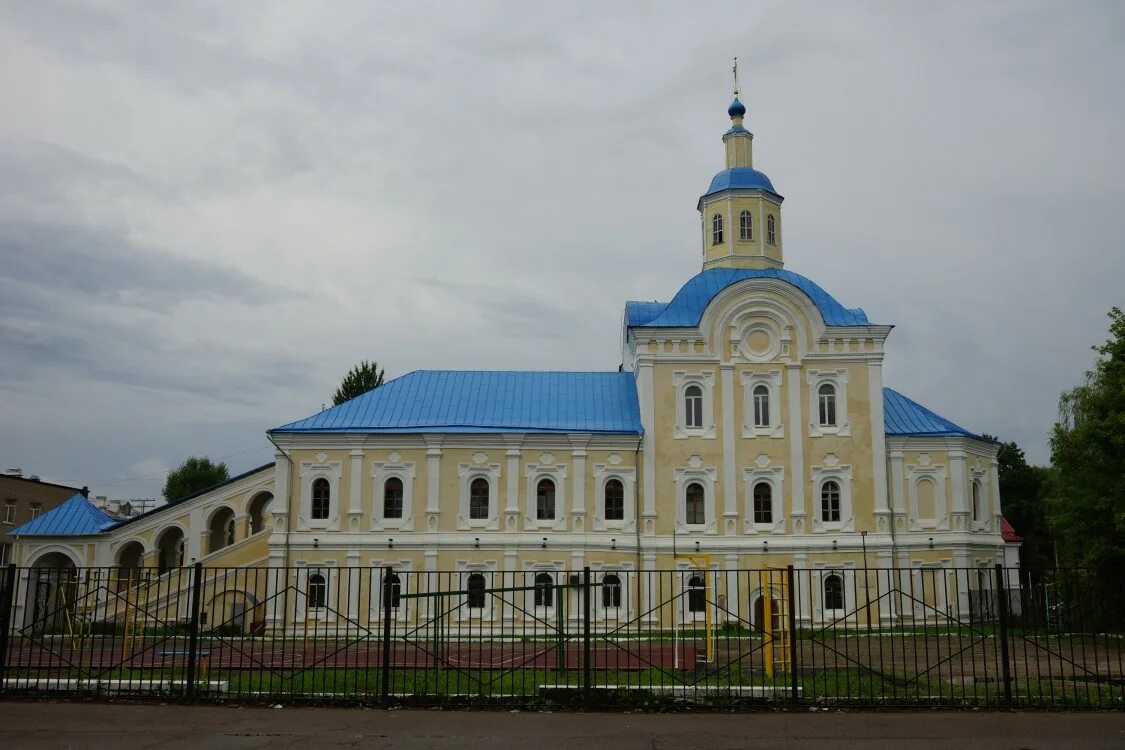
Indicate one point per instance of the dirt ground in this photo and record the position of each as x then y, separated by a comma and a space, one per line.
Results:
32, 725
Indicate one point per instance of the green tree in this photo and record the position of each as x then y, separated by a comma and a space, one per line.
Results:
1087, 494
1022, 497
195, 474
364, 377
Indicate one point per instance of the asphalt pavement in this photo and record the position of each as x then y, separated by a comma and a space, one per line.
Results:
53, 725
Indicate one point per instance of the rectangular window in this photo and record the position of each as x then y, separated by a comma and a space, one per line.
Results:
36, 509
9, 512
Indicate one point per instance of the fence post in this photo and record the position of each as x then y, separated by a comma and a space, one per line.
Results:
1002, 606
193, 632
792, 605
386, 671
586, 697
7, 598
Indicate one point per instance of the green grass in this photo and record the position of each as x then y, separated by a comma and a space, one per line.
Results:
561, 688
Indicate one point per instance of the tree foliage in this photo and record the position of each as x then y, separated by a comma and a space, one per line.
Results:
1022, 494
364, 377
195, 474
1087, 494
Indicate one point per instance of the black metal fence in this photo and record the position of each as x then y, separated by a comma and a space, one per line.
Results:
696, 636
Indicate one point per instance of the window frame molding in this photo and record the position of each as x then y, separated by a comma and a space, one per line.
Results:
625, 572
401, 568
707, 477
333, 471
532, 568
717, 229
771, 229
466, 473
465, 568
304, 571
10, 509
686, 571
628, 478
380, 473
750, 215
557, 473
847, 573
843, 476
980, 478
772, 380
839, 379
705, 380
774, 476
939, 475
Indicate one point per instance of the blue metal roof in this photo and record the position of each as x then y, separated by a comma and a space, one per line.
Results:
902, 416
487, 401
736, 108
75, 517
740, 178
686, 308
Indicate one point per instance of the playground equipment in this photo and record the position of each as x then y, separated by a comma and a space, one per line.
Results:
775, 659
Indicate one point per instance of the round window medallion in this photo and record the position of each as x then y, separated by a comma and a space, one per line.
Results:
759, 342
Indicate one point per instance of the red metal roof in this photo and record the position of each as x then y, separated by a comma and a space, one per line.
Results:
1008, 532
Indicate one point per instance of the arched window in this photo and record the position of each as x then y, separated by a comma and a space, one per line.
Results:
771, 230
833, 592
614, 500
697, 594
717, 229
392, 586
745, 226
321, 498
544, 590
826, 397
761, 406
611, 590
763, 503
171, 546
830, 502
693, 504
220, 531
545, 500
257, 511
976, 500
693, 406
317, 592
478, 499
475, 597
392, 498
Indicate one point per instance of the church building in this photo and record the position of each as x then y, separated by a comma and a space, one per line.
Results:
747, 427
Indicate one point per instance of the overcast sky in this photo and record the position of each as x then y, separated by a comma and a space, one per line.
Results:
210, 211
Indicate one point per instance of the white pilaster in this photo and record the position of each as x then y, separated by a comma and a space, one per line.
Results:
649, 582
431, 584
354, 574
730, 485
878, 445
355, 489
796, 446
734, 604
281, 469
508, 577
433, 480
648, 422
959, 479
578, 486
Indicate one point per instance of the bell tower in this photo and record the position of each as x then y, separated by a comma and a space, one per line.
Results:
741, 211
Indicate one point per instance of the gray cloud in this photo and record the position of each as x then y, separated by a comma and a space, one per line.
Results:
209, 211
